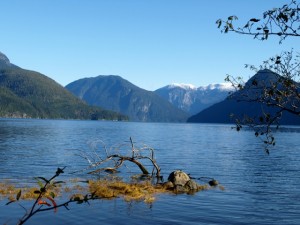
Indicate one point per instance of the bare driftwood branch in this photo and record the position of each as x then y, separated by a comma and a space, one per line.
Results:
116, 160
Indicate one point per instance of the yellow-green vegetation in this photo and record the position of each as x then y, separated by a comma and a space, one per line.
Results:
141, 191
10, 191
104, 188
108, 189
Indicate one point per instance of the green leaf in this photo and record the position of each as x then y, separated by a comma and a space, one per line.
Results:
52, 194
292, 14
219, 22
19, 195
277, 61
59, 182
76, 199
254, 20
44, 179
39, 182
232, 18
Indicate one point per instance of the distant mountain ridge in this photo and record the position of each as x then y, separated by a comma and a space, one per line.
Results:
4, 59
115, 93
29, 94
242, 103
5, 62
191, 99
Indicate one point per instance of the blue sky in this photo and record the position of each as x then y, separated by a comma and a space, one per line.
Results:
151, 43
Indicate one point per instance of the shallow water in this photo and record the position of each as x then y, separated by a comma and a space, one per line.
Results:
259, 189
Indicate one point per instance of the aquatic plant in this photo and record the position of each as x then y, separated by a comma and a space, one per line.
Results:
136, 191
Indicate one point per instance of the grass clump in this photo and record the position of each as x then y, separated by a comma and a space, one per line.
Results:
107, 188
10, 191
141, 191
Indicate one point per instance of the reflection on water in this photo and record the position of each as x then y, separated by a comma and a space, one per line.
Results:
259, 189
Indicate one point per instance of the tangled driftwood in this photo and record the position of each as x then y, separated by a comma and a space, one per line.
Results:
98, 160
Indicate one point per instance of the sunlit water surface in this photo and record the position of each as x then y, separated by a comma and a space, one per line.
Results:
259, 189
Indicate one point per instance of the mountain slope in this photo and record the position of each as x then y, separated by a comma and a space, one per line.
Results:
115, 93
240, 104
29, 94
191, 99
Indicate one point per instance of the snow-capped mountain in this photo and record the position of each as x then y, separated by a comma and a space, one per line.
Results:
194, 99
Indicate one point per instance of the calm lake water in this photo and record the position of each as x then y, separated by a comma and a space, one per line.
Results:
259, 189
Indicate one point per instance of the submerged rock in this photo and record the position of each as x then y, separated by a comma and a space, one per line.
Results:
192, 185
168, 185
213, 182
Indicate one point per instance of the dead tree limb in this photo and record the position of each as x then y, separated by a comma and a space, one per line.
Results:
117, 160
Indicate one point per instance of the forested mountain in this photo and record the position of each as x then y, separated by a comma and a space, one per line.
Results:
29, 94
115, 93
193, 99
243, 103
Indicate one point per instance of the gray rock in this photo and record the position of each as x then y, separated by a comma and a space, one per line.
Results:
179, 177
168, 185
191, 185
213, 182
180, 189
180, 182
